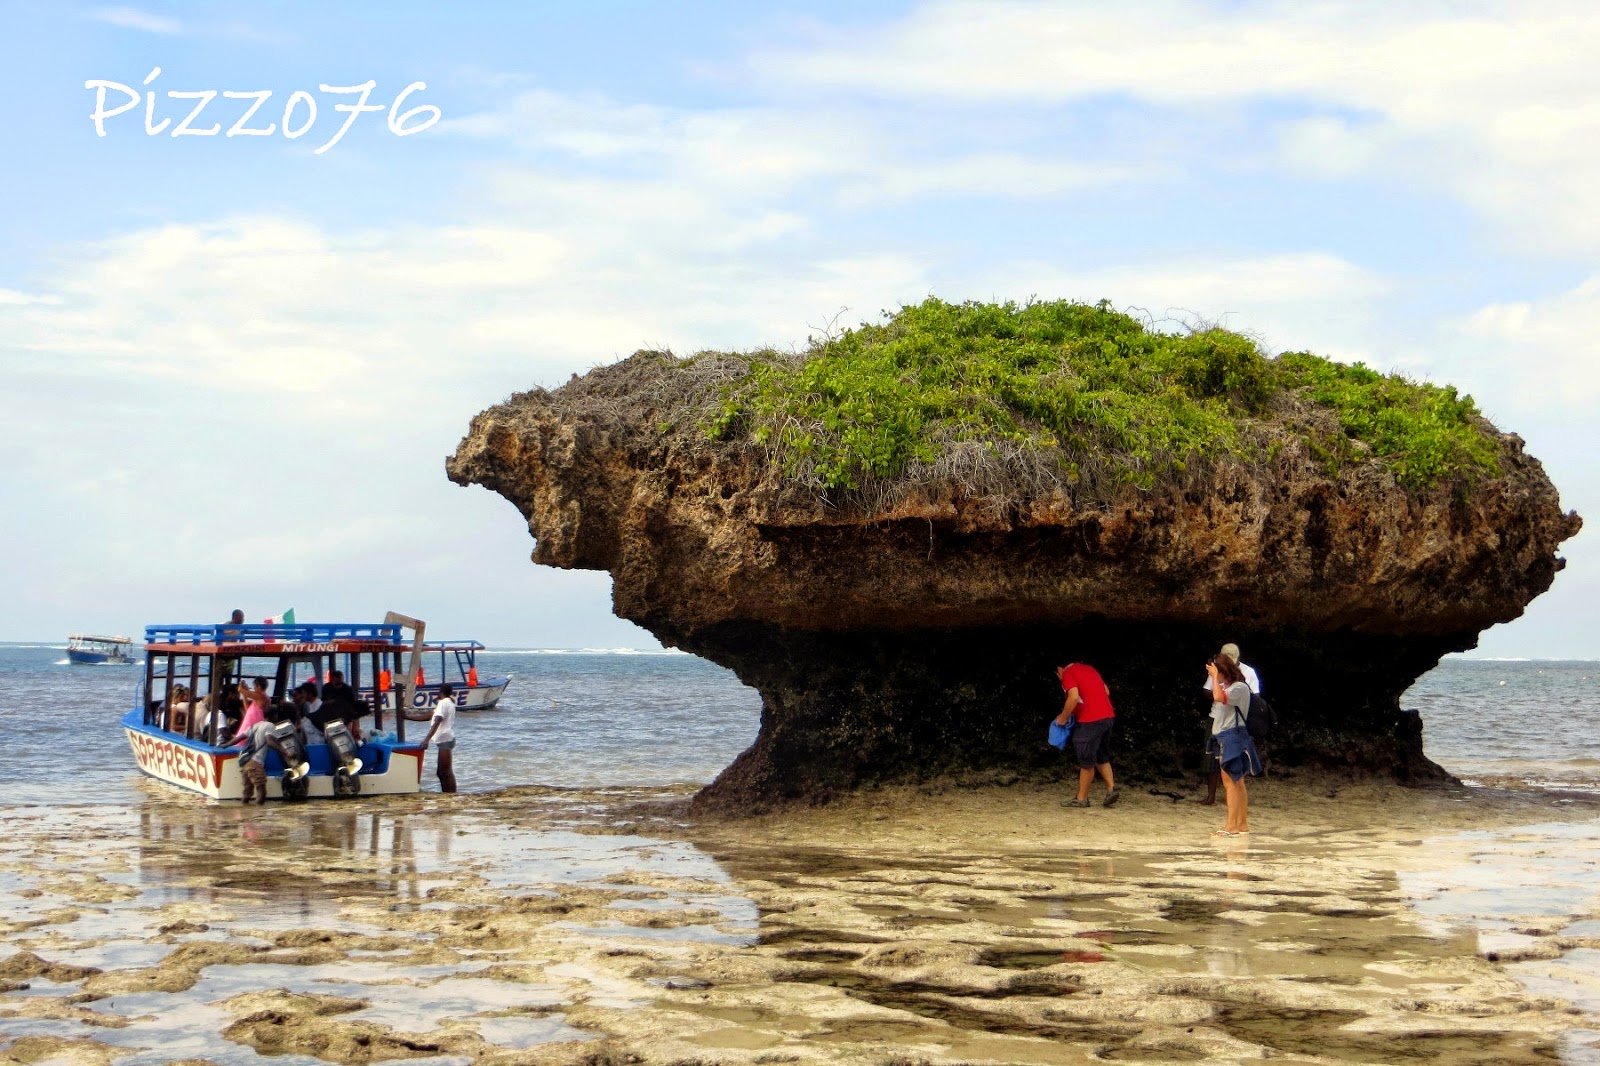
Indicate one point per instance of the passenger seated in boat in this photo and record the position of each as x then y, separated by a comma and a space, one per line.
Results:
207, 718
177, 715
225, 722
310, 708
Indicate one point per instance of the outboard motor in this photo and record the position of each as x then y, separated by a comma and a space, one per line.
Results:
295, 780
342, 754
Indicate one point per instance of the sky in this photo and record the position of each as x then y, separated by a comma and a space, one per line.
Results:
234, 364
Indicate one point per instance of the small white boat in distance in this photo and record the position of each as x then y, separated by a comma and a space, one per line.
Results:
455, 661
86, 650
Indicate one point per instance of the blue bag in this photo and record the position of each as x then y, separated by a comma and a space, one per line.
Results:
1239, 757
1060, 734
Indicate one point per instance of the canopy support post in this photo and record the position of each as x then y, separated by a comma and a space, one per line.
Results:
408, 693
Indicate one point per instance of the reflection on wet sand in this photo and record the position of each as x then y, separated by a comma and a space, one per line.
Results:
302, 864
539, 926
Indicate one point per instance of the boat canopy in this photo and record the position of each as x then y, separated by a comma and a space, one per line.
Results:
85, 638
273, 639
208, 661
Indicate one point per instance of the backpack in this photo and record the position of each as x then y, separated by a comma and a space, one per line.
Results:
1262, 719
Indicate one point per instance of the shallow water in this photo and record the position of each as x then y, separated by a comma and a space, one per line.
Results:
586, 720
568, 720
1527, 722
275, 880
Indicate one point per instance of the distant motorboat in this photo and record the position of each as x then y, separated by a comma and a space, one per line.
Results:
86, 650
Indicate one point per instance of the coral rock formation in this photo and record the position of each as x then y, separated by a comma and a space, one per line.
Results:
916, 639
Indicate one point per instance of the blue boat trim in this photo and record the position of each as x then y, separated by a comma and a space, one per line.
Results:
258, 633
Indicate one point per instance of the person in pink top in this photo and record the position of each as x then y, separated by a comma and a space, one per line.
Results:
255, 707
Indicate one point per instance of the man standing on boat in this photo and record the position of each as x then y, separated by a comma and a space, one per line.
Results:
444, 727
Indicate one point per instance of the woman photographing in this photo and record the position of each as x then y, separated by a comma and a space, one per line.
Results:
1230, 708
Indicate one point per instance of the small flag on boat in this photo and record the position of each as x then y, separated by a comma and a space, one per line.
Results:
284, 619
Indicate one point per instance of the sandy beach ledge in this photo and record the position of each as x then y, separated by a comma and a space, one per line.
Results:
1374, 925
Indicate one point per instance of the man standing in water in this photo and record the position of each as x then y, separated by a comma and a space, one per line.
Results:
444, 728
1089, 701
253, 758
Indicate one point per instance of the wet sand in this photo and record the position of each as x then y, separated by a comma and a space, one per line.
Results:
1377, 925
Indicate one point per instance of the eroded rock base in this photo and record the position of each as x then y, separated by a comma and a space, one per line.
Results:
847, 710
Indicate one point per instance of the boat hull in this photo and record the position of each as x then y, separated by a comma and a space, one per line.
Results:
391, 769
482, 698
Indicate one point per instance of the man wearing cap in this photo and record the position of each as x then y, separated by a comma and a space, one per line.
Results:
1213, 749
1088, 701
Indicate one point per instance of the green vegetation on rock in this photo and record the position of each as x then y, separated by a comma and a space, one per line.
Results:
1086, 384
1425, 433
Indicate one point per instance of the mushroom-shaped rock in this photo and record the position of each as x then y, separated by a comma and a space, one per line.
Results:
896, 534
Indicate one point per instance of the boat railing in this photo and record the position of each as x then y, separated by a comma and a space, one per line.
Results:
453, 645
261, 633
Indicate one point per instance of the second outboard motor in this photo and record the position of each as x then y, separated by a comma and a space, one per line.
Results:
295, 780
342, 754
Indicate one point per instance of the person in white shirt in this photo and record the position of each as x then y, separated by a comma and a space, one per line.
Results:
310, 703
444, 730
1249, 672
1213, 752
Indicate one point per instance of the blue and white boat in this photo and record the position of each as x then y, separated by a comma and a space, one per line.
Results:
86, 650
192, 672
455, 661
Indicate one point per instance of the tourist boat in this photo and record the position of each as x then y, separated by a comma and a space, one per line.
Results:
170, 741
455, 661
87, 650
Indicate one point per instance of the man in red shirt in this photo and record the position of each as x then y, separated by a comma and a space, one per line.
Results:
1089, 701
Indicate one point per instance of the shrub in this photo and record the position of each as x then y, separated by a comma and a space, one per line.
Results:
1085, 383
1425, 433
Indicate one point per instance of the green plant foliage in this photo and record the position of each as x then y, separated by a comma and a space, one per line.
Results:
1426, 433
1084, 381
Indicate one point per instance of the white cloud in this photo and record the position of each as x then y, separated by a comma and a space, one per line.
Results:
1492, 102
987, 174
272, 305
1546, 351
758, 154
133, 19
13, 298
